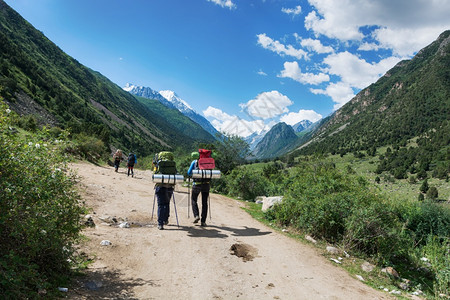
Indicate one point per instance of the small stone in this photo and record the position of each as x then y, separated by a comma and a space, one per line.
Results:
124, 225
310, 238
335, 260
105, 243
360, 277
367, 267
395, 292
391, 271
332, 250
405, 284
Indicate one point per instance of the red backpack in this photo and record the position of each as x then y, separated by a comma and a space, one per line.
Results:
206, 162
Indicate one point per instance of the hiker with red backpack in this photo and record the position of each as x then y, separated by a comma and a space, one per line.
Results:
202, 161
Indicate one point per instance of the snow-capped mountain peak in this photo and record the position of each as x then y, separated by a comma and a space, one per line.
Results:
175, 100
129, 87
171, 100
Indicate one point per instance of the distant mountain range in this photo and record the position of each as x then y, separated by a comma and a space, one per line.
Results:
39, 80
302, 126
275, 142
171, 100
411, 101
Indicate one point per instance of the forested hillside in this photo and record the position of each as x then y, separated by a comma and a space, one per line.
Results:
37, 78
407, 109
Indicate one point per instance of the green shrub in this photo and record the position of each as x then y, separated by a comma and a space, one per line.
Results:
432, 193
424, 187
376, 231
243, 183
438, 254
428, 218
87, 147
40, 212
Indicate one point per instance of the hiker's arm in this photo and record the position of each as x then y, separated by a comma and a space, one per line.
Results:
189, 172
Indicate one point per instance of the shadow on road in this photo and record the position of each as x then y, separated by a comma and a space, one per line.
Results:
213, 231
102, 284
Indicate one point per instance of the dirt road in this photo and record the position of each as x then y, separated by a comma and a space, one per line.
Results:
193, 262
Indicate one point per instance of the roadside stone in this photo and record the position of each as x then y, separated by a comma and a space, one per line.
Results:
335, 260
311, 239
269, 202
395, 292
105, 243
360, 277
390, 271
124, 225
88, 221
93, 285
367, 267
332, 250
405, 284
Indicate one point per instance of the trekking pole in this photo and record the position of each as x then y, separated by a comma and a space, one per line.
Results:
153, 210
189, 193
175, 206
209, 199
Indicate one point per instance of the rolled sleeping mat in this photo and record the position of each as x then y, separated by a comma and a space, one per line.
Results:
169, 179
206, 174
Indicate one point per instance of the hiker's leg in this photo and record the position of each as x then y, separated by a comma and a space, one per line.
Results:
194, 196
163, 204
169, 198
205, 195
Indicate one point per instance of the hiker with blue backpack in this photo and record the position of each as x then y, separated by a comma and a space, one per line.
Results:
131, 161
202, 163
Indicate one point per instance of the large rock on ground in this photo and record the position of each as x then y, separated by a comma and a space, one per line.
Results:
268, 202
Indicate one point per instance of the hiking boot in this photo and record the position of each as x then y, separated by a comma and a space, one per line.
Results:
166, 222
196, 219
160, 227
203, 224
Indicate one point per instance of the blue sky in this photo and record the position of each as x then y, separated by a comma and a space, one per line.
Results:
244, 64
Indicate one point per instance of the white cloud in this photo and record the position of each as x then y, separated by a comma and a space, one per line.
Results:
233, 124
293, 118
277, 47
224, 3
403, 26
340, 92
292, 11
315, 45
357, 72
293, 71
267, 105
369, 47
261, 72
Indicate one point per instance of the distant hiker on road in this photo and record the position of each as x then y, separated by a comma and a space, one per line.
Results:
131, 161
117, 157
200, 185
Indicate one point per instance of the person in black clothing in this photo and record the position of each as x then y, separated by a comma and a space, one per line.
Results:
132, 160
199, 186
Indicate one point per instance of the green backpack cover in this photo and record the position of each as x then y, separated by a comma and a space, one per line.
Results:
166, 164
